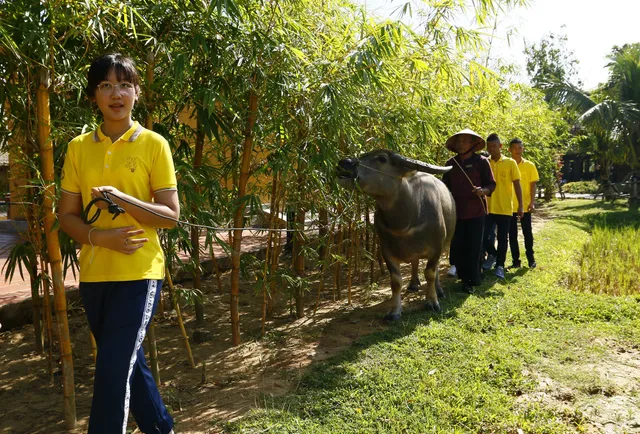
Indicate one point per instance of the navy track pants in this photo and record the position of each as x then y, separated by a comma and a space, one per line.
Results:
119, 314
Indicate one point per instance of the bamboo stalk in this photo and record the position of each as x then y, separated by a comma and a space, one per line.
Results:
338, 269
297, 256
35, 304
349, 254
238, 220
195, 232
46, 307
264, 284
374, 256
33, 219
323, 219
358, 257
53, 247
298, 260
327, 252
176, 306
148, 123
216, 267
275, 253
359, 240
149, 94
270, 245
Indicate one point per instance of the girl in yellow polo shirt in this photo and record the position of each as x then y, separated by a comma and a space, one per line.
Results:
121, 261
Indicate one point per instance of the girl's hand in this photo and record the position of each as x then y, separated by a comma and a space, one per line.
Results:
120, 239
99, 192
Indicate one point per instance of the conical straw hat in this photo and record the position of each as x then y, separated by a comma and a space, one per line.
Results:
477, 144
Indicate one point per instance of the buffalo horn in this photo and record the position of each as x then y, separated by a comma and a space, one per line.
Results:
420, 166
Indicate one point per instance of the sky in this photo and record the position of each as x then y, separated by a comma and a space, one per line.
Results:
592, 28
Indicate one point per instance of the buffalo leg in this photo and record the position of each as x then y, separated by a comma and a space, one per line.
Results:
439, 289
395, 311
431, 276
414, 286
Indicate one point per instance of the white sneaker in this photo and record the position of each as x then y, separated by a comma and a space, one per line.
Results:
453, 272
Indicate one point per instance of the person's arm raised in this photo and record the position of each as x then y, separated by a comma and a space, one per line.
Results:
162, 213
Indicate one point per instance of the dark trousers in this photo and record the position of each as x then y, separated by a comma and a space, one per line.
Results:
502, 223
119, 314
528, 237
466, 249
489, 237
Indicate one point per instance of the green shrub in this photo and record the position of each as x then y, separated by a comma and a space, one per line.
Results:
583, 187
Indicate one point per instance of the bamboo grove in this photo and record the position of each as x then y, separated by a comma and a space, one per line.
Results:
258, 100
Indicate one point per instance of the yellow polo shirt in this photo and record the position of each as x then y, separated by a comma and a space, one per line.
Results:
505, 171
528, 174
139, 164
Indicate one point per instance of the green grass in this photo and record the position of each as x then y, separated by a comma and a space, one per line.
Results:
469, 368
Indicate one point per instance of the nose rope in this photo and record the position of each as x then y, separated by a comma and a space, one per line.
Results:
472, 184
112, 207
115, 209
379, 171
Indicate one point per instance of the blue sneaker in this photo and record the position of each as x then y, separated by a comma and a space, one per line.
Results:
500, 272
489, 263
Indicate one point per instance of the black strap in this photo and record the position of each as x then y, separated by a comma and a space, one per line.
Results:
113, 208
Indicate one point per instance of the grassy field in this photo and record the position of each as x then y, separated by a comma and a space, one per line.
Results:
527, 355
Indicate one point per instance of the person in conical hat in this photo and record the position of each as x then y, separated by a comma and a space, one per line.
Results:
465, 141
470, 181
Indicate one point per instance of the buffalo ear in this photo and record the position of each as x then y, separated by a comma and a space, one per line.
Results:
420, 166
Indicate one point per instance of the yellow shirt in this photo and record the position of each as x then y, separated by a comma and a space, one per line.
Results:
505, 171
528, 174
139, 164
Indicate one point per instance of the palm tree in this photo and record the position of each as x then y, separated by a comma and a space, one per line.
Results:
624, 82
611, 114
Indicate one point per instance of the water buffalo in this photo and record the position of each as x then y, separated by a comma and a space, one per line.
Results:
415, 216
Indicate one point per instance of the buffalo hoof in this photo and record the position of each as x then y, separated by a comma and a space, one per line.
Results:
434, 306
413, 288
392, 317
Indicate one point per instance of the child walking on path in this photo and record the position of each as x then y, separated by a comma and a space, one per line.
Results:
507, 176
528, 181
121, 261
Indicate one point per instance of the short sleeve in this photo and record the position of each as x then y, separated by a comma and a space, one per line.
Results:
534, 173
515, 172
487, 178
69, 180
163, 174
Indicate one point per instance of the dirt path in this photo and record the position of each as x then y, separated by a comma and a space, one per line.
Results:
228, 380
234, 379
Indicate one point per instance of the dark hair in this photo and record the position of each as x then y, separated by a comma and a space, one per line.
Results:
124, 68
493, 137
515, 141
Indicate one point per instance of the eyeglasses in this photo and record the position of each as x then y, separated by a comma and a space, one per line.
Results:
106, 88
